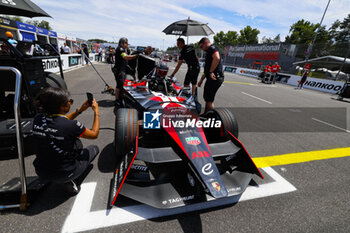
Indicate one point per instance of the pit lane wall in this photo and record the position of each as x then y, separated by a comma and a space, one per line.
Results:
69, 61
323, 85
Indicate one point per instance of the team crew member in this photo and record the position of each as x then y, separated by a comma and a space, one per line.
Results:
267, 72
303, 79
148, 50
121, 61
213, 72
142, 68
274, 69
10, 39
86, 52
60, 155
188, 54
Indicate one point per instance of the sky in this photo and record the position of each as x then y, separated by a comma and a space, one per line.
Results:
142, 22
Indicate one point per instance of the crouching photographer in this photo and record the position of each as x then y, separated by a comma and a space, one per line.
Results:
60, 156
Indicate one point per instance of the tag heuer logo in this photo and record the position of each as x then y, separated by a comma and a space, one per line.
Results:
193, 141
216, 186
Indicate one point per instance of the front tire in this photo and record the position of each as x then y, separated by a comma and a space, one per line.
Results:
228, 123
54, 80
126, 130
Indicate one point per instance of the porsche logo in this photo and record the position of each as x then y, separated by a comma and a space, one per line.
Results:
216, 186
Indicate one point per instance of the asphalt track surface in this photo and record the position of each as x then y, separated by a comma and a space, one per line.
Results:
274, 120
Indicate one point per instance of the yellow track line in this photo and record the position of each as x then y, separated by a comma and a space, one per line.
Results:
277, 160
239, 82
9, 27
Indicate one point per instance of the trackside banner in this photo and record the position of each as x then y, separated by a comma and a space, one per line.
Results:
243, 71
248, 72
324, 85
68, 61
317, 84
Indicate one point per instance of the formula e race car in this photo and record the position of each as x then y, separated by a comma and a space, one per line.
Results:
171, 156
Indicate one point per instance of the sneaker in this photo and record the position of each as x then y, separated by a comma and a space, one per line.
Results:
72, 188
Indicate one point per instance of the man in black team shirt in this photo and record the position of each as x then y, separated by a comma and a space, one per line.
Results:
189, 55
121, 61
213, 72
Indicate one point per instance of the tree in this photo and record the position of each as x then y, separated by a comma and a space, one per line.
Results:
340, 30
14, 18
171, 48
339, 33
303, 33
42, 24
222, 39
248, 35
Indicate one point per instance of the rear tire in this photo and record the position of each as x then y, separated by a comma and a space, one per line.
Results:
54, 80
126, 130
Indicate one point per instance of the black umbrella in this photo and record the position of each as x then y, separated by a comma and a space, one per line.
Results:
188, 27
21, 8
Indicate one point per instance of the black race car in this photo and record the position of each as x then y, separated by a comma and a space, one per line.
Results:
170, 155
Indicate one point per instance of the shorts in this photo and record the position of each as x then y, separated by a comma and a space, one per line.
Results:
303, 80
82, 162
87, 155
192, 75
211, 87
120, 79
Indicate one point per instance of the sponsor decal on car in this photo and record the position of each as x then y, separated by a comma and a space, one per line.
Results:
228, 158
190, 179
177, 199
207, 169
234, 189
200, 154
121, 170
216, 186
139, 167
193, 141
184, 131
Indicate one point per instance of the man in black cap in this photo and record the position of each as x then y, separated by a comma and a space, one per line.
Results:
121, 61
213, 72
188, 54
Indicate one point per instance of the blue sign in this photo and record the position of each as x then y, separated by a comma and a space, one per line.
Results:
151, 120
52, 33
26, 27
42, 31
29, 37
74, 60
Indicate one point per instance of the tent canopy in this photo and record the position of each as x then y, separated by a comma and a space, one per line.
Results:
22, 8
328, 62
